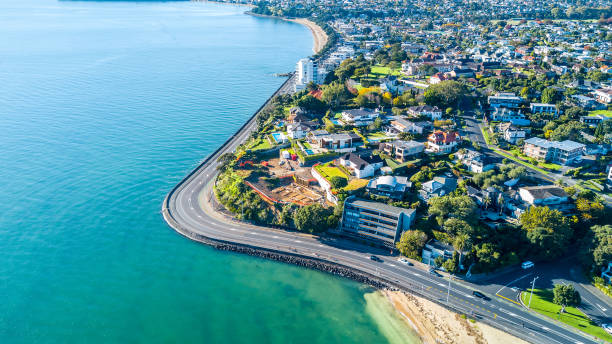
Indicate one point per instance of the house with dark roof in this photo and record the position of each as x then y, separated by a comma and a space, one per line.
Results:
433, 112
362, 167
359, 117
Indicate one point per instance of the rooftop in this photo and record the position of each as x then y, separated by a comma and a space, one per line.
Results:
382, 207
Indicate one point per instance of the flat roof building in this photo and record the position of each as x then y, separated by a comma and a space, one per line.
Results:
375, 222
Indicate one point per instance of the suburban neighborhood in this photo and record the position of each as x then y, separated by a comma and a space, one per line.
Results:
466, 143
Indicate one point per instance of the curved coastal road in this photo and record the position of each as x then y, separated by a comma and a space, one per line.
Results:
189, 210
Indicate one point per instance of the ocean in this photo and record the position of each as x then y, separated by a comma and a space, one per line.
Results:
104, 107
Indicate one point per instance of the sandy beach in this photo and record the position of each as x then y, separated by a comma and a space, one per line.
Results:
320, 37
435, 324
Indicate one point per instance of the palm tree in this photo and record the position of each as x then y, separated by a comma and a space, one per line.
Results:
462, 242
486, 202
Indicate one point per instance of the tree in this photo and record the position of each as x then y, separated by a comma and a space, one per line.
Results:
411, 243
568, 131
565, 295
462, 243
460, 207
404, 136
335, 94
225, 160
338, 182
311, 218
445, 94
452, 265
439, 261
549, 95
596, 247
548, 231
312, 104
455, 226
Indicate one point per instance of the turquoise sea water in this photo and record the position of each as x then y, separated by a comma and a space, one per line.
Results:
104, 106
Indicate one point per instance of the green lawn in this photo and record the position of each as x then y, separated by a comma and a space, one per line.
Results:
328, 171
524, 163
605, 113
485, 134
356, 184
542, 303
259, 144
382, 71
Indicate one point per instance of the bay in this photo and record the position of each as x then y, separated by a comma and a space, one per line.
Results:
104, 107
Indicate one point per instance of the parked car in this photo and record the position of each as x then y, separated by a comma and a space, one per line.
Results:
433, 271
376, 259
527, 265
480, 295
405, 261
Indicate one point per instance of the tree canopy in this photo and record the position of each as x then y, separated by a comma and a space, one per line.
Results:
411, 243
445, 94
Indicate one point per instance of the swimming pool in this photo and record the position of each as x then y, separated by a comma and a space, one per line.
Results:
279, 137
309, 151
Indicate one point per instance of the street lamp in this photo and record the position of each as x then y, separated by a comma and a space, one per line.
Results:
532, 286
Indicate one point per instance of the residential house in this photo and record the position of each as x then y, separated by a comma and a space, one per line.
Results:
558, 152
550, 109
375, 222
604, 96
593, 121
442, 142
439, 186
511, 133
340, 142
505, 99
359, 117
363, 167
400, 125
299, 130
550, 196
433, 112
402, 150
390, 186
475, 162
434, 249
503, 114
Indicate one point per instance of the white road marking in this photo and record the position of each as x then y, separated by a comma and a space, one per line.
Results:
414, 273
512, 314
392, 265
441, 284
297, 241
603, 309
232, 229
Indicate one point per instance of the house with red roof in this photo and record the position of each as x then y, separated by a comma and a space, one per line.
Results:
442, 142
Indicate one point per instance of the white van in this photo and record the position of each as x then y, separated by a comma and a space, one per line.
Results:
527, 265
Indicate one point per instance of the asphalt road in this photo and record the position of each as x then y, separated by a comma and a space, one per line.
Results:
188, 210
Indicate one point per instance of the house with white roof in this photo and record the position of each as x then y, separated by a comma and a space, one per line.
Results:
558, 152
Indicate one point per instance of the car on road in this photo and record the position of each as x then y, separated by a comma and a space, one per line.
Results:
527, 265
480, 295
405, 261
607, 327
376, 259
433, 271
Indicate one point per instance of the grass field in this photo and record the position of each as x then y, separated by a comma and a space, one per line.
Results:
524, 163
356, 184
542, 303
382, 71
328, 171
605, 113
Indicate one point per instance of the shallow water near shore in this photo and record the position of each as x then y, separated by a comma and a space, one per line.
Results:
104, 107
